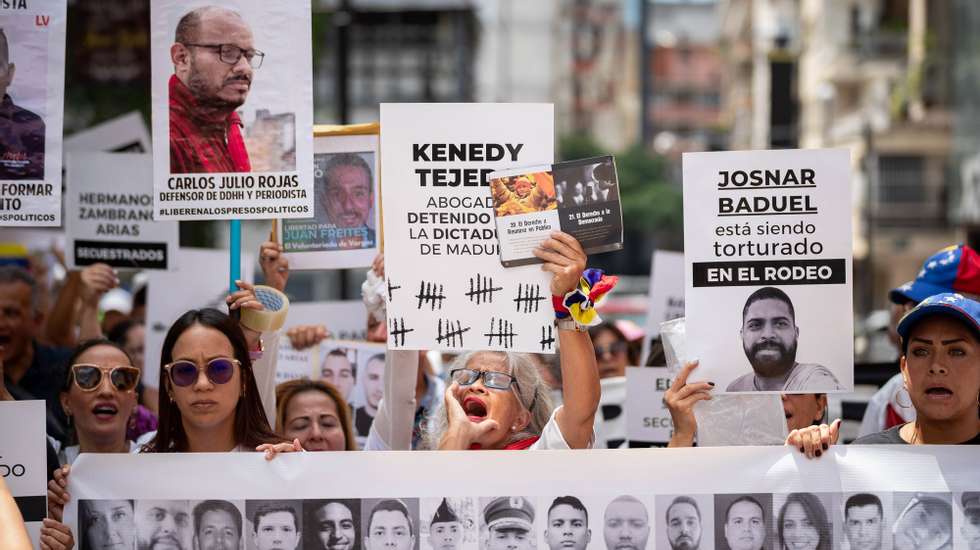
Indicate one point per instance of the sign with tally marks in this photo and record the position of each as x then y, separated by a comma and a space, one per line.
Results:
446, 286
767, 243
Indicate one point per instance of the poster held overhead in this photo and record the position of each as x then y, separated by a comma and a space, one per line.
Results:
579, 197
345, 230
111, 223
232, 110
447, 289
32, 93
767, 241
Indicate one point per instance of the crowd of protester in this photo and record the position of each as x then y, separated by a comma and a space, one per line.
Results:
216, 390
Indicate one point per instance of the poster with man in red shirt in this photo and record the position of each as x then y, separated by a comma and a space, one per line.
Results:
232, 110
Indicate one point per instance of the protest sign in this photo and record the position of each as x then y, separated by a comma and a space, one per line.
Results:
123, 134
579, 197
32, 41
356, 369
200, 281
109, 221
666, 294
610, 423
344, 231
610, 484
647, 417
23, 459
446, 287
345, 319
292, 363
232, 109
767, 244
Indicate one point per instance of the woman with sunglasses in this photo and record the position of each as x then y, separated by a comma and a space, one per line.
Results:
98, 397
498, 400
612, 350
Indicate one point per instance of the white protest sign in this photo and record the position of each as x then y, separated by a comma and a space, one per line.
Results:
647, 417
109, 220
446, 286
201, 281
345, 319
767, 243
31, 113
232, 109
345, 230
23, 459
650, 481
666, 294
292, 363
123, 134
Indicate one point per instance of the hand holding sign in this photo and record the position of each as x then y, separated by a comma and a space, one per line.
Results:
305, 336
58, 492
97, 279
275, 266
56, 536
680, 400
565, 259
814, 440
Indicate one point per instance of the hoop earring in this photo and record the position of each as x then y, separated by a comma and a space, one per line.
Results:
898, 401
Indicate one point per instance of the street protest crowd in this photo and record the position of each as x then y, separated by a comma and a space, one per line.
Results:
217, 378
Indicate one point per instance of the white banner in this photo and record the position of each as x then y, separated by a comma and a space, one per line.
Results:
447, 288
666, 294
201, 282
767, 244
748, 497
123, 134
23, 459
232, 109
109, 218
32, 91
647, 417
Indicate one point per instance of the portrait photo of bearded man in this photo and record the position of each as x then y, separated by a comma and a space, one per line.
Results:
215, 60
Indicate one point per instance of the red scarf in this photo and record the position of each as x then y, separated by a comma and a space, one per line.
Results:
515, 446
202, 142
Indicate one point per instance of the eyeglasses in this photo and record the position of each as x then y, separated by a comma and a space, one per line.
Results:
230, 54
89, 377
185, 373
492, 379
613, 349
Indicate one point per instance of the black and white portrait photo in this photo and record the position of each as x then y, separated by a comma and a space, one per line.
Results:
743, 522
626, 524
969, 531
922, 520
567, 524
163, 525
274, 524
218, 525
770, 338
332, 524
684, 522
507, 524
865, 521
106, 524
803, 521
390, 524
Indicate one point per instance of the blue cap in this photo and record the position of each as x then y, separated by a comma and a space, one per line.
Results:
952, 269
953, 305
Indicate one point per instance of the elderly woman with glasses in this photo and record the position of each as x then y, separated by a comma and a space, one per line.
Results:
498, 400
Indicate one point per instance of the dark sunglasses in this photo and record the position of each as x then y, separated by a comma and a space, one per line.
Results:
89, 377
613, 349
218, 370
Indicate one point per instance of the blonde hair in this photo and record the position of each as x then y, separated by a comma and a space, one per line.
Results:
533, 395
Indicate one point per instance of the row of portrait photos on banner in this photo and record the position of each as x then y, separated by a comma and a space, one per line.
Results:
794, 521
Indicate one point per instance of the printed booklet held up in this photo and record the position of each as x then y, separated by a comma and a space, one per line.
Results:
579, 197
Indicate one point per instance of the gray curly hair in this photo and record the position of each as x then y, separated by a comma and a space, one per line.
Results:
533, 394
